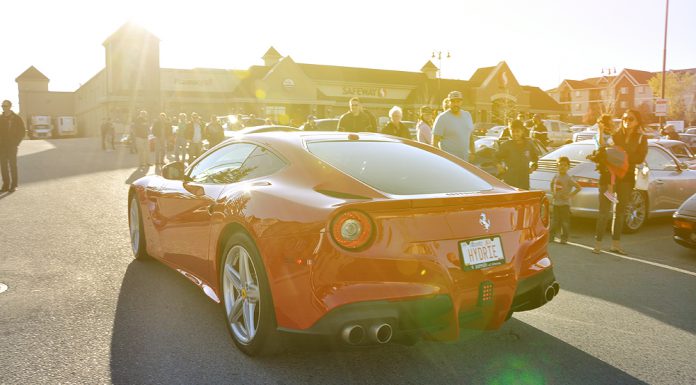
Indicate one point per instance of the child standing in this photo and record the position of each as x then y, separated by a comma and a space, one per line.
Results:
604, 141
563, 187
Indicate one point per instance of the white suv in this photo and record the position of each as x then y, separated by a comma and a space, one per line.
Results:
559, 133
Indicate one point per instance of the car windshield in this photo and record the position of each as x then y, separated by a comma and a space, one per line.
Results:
680, 150
398, 168
577, 152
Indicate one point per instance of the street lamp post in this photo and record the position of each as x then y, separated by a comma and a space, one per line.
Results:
664, 57
439, 61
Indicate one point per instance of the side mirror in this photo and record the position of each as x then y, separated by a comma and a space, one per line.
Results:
174, 171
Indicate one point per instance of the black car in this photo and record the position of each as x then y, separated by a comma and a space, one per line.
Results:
684, 223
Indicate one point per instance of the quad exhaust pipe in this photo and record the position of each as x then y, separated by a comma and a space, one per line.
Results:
380, 333
551, 291
353, 334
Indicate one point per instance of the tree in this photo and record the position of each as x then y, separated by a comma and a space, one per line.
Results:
592, 113
677, 86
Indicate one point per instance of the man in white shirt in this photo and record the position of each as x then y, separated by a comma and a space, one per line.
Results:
454, 128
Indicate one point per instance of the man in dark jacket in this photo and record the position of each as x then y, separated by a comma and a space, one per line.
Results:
162, 130
518, 157
356, 120
12, 132
214, 132
141, 132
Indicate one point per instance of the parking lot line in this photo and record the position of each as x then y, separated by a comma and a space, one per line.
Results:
637, 260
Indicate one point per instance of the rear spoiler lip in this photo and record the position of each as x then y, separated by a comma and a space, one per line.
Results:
497, 197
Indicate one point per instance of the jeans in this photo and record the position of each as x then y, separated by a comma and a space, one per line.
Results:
8, 166
560, 223
143, 151
194, 151
160, 150
623, 191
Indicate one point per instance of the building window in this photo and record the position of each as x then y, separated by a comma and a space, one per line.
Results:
624, 90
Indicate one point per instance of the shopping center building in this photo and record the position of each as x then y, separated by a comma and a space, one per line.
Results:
280, 88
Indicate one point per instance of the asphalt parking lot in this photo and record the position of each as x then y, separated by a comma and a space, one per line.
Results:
79, 309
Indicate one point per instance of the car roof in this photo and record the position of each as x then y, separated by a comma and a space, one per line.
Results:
282, 134
651, 142
665, 141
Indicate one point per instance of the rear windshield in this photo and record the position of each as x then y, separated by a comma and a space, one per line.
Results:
577, 152
397, 168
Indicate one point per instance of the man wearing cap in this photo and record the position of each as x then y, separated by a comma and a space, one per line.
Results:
356, 120
11, 134
453, 129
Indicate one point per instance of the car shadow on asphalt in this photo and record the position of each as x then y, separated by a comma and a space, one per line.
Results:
167, 331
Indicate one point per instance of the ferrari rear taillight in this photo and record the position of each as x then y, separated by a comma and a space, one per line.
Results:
545, 212
352, 230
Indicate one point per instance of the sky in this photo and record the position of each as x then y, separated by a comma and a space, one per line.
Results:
543, 41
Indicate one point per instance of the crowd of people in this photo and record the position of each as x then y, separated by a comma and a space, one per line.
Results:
179, 137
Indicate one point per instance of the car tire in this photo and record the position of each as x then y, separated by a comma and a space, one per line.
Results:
246, 298
137, 233
636, 212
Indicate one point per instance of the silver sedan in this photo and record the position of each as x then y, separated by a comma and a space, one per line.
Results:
670, 182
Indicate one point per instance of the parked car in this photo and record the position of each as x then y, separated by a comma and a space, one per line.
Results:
670, 182
559, 133
487, 147
324, 125
579, 127
495, 131
680, 150
259, 129
588, 133
314, 233
238, 122
690, 140
591, 131
684, 223
481, 129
